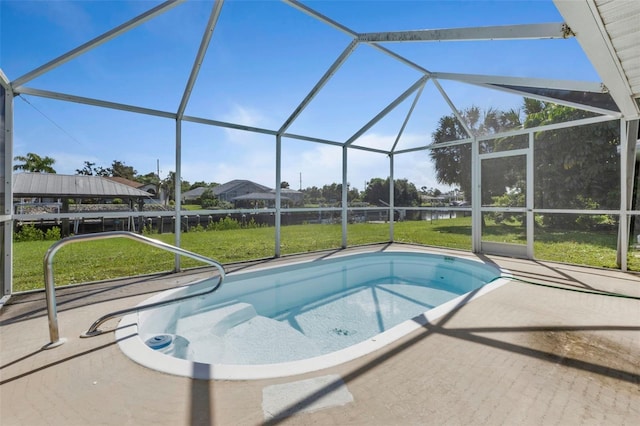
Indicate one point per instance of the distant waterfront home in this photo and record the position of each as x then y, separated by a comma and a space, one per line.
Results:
240, 190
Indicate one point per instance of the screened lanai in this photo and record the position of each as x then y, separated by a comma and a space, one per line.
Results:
520, 118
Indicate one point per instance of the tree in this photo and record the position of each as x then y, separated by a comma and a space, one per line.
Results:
208, 199
576, 167
34, 163
332, 193
352, 194
120, 169
149, 178
377, 192
312, 195
117, 169
453, 163
90, 169
169, 185
284, 185
405, 193
201, 183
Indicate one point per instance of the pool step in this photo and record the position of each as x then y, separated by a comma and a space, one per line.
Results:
258, 340
236, 334
263, 340
215, 321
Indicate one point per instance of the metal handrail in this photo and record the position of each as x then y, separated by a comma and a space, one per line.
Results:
52, 312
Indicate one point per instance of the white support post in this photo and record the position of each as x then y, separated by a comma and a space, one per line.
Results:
530, 216
7, 208
278, 194
178, 191
345, 196
476, 201
391, 197
7, 279
623, 223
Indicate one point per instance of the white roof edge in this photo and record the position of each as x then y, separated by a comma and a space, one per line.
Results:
582, 86
584, 20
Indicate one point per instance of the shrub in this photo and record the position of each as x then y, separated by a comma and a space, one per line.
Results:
197, 228
509, 199
52, 234
585, 222
223, 224
28, 233
252, 224
208, 199
147, 229
227, 223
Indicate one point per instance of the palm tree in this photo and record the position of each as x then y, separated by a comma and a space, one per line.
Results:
34, 163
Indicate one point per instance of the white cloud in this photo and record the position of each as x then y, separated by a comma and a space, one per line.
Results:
244, 116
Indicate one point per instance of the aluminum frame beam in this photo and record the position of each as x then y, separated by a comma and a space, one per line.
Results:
415, 86
278, 200
7, 209
345, 196
545, 128
493, 82
115, 32
455, 111
581, 86
178, 193
503, 32
319, 85
407, 118
4, 81
202, 50
94, 102
623, 219
319, 16
400, 58
228, 125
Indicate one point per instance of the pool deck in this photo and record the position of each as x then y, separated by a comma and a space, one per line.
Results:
522, 354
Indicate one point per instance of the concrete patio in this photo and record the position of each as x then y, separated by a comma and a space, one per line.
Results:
522, 354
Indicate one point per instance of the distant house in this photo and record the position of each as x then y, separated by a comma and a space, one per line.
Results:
194, 194
259, 199
151, 188
296, 197
243, 192
236, 188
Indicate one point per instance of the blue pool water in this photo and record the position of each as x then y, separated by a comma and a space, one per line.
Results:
309, 310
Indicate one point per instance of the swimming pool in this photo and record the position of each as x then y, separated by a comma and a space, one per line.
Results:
301, 317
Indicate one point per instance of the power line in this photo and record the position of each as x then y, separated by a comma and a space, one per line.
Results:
51, 120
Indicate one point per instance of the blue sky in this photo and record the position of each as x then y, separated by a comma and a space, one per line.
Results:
264, 58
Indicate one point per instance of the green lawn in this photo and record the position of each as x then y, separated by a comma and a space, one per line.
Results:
104, 259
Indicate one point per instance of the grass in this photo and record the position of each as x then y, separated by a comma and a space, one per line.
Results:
113, 258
